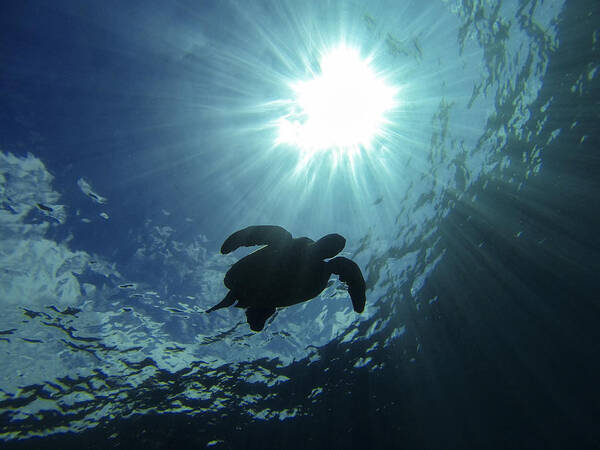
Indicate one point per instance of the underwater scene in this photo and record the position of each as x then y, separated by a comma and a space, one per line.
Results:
299, 224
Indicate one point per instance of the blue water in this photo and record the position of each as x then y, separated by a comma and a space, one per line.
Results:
135, 137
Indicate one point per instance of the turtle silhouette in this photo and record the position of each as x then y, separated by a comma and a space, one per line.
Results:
285, 272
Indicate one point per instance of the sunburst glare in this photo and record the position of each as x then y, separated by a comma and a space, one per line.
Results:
341, 109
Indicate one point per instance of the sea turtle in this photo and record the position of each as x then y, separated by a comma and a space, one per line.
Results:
285, 272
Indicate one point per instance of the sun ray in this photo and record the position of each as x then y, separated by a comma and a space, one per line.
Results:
341, 109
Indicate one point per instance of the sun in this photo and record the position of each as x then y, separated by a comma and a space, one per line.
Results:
341, 108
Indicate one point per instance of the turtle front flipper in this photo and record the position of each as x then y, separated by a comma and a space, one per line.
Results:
227, 301
258, 316
255, 235
350, 273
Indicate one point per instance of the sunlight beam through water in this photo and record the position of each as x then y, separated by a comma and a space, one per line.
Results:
341, 109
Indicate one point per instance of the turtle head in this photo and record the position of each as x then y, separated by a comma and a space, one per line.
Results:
329, 246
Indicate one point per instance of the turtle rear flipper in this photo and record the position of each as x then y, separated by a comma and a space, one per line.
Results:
255, 235
350, 273
227, 301
258, 316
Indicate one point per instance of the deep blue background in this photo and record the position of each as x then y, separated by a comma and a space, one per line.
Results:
513, 355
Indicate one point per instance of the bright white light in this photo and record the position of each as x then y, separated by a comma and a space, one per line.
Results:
343, 108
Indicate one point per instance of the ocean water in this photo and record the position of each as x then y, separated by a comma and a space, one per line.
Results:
136, 136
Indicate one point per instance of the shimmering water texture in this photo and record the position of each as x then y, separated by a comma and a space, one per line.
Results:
89, 337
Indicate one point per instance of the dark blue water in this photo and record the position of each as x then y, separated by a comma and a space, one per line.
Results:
135, 138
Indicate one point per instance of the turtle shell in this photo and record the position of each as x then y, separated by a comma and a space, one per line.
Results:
278, 275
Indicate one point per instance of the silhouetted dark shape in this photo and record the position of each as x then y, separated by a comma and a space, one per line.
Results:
285, 272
